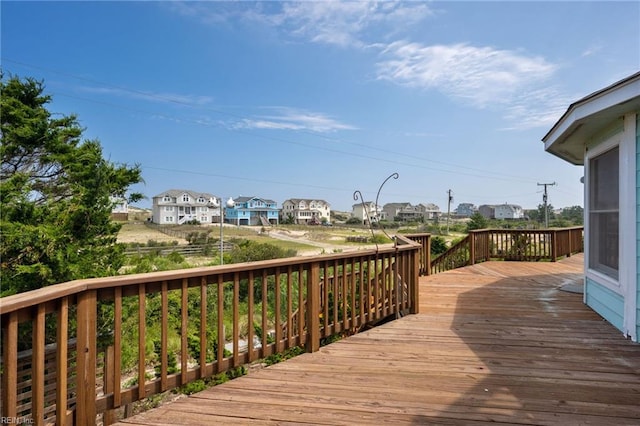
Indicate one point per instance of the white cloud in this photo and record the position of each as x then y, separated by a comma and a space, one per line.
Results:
182, 99
292, 119
343, 23
540, 107
593, 49
479, 75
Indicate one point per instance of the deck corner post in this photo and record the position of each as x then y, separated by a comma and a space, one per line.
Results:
86, 359
313, 308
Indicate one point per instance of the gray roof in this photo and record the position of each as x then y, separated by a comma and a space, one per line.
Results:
308, 200
174, 193
245, 199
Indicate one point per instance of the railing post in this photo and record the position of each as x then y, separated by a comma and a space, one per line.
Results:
313, 308
554, 243
86, 359
472, 248
414, 280
427, 256
487, 245
10, 365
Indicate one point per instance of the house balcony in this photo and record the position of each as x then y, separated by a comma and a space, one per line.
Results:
492, 341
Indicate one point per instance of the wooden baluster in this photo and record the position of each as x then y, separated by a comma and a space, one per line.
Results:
164, 336
10, 365
203, 327
117, 343
301, 313
142, 327
184, 318
221, 336
37, 366
62, 338
86, 359
278, 324
236, 318
108, 385
265, 302
250, 307
289, 307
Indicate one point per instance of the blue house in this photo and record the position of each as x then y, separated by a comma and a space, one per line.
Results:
602, 132
252, 211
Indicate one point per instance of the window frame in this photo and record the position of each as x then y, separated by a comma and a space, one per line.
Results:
613, 283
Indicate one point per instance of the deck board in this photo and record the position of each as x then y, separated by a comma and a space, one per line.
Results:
494, 343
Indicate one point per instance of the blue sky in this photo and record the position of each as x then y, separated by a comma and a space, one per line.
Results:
319, 99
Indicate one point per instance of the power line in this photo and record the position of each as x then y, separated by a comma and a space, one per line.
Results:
486, 174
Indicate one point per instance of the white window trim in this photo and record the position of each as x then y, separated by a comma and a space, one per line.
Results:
628, 220
626, 283
609, 282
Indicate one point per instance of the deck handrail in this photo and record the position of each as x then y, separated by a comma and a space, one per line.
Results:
511, 244
205, 305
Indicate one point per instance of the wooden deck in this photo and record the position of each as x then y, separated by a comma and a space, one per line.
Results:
497, 342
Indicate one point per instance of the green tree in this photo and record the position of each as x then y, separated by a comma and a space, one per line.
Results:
573, 214
540, 216
438, 246
251, 251
56, 194
477, 222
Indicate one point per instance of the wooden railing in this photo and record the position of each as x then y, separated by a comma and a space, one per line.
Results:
510, 244
163, 330
425, 251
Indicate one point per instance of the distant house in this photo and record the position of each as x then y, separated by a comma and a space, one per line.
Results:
488, 211
602, 132
370, 211
430, 211
119, 209
465, 210
177, 206
304, 211
252, 211
406, 212
508, 211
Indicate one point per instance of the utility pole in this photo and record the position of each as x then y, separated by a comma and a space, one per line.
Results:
449, 208
545, 198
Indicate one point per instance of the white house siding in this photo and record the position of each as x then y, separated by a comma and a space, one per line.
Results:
637, 280
508, 211
168, 212
370, 208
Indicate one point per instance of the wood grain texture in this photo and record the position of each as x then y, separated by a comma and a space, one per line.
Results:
496, 342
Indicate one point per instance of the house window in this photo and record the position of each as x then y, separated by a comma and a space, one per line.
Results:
604, 212
168, 208
168, 218
166, 199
